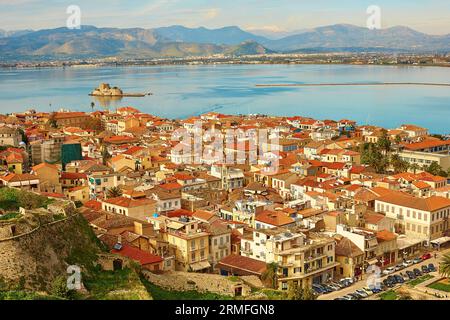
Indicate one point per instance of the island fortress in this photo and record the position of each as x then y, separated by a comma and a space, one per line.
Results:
105, 90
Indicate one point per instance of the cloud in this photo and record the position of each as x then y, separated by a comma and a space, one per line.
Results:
211, 13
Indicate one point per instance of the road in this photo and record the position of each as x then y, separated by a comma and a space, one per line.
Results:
363, 283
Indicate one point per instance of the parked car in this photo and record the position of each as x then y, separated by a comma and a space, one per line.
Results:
424, 269
388, 283
377, 289
417, 260
362, 293
355, 296
392, 279
426, 256
348, 297
337, 284
350, 280
411, 275
431, 267
344, 282
389, 270
327, 288
399, 278
408, 263
368, 291
399, 267
318, 289
340, 299
417, 272
334, 287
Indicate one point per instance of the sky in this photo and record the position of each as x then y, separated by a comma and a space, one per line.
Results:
429, 16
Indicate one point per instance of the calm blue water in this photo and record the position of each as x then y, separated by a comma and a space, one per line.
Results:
182, 91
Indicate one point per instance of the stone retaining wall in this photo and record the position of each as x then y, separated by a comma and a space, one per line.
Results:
186, 281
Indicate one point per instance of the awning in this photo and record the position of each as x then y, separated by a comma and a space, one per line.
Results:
440, 241
372, 261
200, 265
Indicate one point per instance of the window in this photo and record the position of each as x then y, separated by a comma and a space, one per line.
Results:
284, 286
193, 256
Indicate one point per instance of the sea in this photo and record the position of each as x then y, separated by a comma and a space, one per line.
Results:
185, 91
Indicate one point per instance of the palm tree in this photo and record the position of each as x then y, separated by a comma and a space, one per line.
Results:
399, 164
414, 167
114, 192
445, 266
271, 275
92, 106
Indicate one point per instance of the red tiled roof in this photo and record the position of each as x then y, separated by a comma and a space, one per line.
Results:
94, 205
244, 263
179, 213
171, 186
274, 218
128, 202
73, 175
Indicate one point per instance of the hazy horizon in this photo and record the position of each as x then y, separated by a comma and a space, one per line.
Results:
271, 16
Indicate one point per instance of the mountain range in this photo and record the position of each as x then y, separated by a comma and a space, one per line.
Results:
179, 41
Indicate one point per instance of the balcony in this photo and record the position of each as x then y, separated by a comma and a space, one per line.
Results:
315, 257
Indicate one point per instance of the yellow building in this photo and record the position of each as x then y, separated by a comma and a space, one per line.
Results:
191, 244
127, 123
78, 194
301, 261
350, 259
48, 175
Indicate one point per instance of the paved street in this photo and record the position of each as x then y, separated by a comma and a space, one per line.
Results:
363, 283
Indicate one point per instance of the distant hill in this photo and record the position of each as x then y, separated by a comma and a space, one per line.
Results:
223, 36
349, 36
179, 41
5, 34
105, 42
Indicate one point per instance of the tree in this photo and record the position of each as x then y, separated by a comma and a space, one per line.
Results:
114, 192
60, 289
414, 167
384, 143
398, 139
435, 169
52, 120
298, 293
372, 156
444, 268
399, 164
270, 276
92, 106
